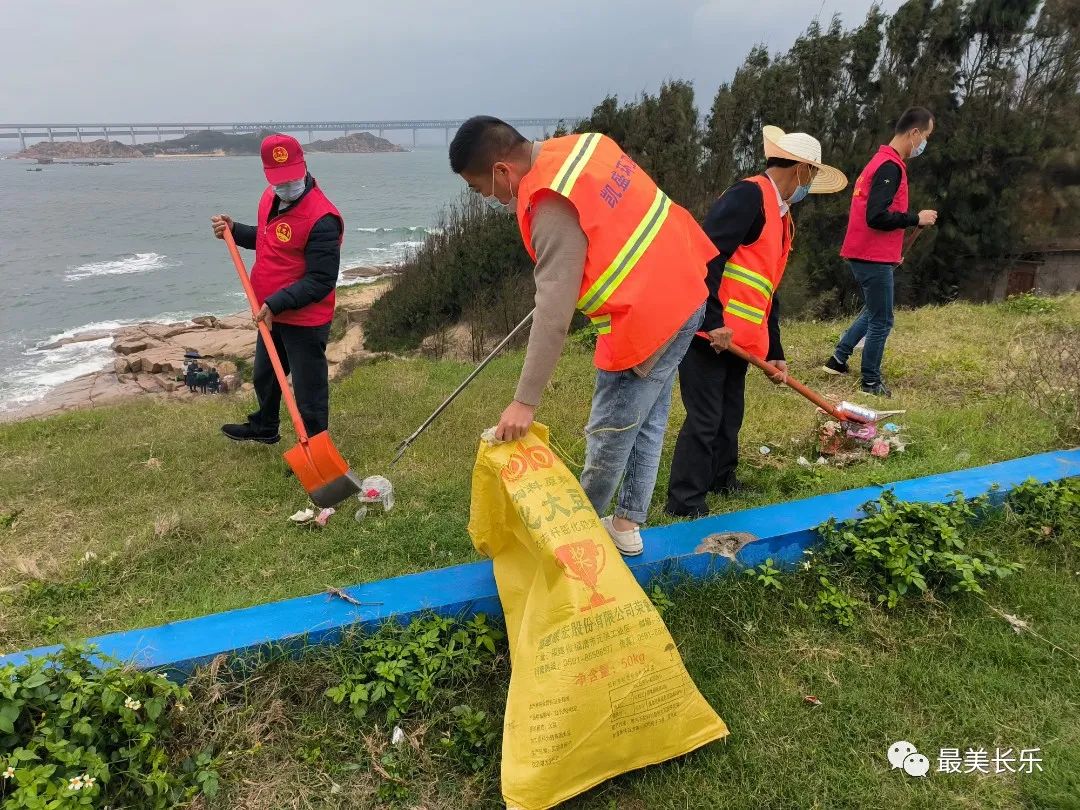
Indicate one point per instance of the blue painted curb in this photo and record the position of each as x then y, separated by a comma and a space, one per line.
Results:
784, 531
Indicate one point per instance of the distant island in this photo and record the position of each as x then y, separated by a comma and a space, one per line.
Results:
199, 144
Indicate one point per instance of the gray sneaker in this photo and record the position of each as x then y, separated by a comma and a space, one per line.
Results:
877, 389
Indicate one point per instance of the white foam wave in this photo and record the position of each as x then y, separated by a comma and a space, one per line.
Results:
138, 263
352, 282
40, 371
403, 229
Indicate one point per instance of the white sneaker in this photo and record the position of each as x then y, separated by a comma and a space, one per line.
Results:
628, 543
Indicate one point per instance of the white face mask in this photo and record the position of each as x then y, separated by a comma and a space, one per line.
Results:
288, 192
495, 204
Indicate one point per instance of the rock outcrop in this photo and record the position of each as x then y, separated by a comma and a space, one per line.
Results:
150, 356
74, 150
356, 143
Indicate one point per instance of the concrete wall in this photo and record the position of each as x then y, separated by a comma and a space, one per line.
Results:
1047, 274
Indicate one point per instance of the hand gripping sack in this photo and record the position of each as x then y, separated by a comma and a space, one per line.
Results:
597, 687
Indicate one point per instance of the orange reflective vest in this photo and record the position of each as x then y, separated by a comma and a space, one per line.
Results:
753, 273
645, 265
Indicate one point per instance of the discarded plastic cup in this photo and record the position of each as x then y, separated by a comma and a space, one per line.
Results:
375, 489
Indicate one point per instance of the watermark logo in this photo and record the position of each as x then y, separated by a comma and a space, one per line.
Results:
905, 756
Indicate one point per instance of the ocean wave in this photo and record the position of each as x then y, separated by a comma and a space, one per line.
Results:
352, 282
403, 229
137, 263
39, 371
114, 326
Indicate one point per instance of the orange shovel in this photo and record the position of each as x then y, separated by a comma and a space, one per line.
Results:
318, 465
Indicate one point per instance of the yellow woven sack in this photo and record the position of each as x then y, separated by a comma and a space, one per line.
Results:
597, 687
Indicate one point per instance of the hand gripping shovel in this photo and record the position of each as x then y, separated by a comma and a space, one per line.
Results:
318, 465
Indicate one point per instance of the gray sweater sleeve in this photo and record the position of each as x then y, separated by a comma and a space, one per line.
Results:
560, 246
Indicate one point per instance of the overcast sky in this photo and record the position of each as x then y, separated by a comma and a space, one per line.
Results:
142, 60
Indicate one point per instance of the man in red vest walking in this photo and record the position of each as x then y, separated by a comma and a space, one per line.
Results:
297, 244
609, 243
874, 244
751, 227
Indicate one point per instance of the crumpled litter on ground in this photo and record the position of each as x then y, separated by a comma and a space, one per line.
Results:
324, 516
303, 516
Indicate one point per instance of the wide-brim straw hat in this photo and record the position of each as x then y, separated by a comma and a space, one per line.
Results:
805, 149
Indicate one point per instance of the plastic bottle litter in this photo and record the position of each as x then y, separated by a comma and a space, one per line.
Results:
375, 489
858, 412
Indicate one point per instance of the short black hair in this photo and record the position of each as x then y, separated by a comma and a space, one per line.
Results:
913, 117
780, 163
480, 142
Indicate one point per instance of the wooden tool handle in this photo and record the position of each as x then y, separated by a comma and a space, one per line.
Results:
793, 384
268, 340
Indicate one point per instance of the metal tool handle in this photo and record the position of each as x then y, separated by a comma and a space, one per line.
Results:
483, 363
268, 340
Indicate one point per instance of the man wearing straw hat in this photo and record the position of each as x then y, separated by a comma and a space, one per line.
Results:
751, 227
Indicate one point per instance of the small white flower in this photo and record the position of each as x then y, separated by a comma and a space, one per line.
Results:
132, 704
75, 784
10, 772
807, 566
88, 780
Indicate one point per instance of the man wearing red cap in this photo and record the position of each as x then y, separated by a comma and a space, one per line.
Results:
297, 244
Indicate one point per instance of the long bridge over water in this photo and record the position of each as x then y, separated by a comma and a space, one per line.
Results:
51, 132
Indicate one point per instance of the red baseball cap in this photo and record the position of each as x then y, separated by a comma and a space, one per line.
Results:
283, 159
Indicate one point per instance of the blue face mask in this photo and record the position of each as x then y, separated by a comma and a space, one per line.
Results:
800, 191
799, 195
918, 150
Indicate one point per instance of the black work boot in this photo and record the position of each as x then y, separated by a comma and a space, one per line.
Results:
246, 433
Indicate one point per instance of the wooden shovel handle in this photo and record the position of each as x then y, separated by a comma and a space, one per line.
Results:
793, 384
268, 340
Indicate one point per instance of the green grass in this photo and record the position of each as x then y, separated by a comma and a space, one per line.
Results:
939, 674
179, 522
133, 515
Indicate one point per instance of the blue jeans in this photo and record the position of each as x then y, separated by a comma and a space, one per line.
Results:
625, 433
874, 322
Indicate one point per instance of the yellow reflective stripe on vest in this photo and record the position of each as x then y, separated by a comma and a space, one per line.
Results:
575, 163
744, 311
747, 276
602, 324
640, 240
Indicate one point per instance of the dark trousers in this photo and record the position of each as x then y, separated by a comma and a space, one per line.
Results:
707, 451
302, 350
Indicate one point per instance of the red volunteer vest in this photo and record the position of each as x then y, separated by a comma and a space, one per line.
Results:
753, 273
645, 265
279, 254
863, 243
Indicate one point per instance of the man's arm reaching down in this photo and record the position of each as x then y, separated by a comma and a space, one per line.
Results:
560, 247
